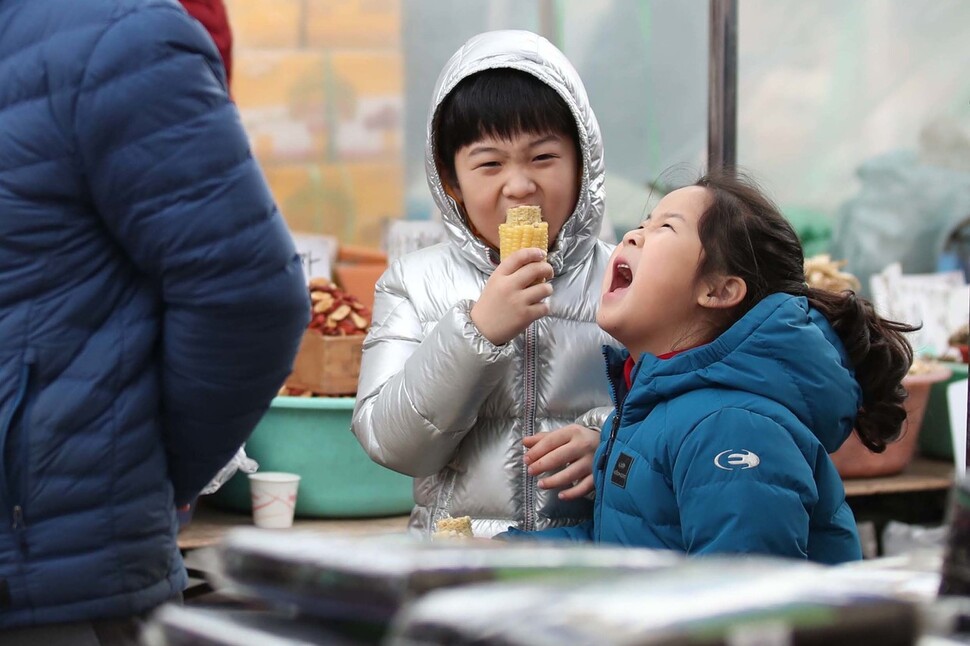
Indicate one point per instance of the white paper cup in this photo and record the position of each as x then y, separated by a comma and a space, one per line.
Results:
274, 498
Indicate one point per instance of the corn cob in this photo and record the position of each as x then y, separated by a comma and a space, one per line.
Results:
460, 527
523, 228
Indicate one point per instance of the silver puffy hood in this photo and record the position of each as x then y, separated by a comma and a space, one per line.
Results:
527, 52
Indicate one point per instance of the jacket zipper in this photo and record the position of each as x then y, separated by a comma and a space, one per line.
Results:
605, 458
616, 418
7, 499
530, 421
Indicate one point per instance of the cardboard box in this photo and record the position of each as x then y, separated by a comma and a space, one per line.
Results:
327, 365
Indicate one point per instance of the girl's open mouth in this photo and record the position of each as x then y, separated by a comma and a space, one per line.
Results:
622, 276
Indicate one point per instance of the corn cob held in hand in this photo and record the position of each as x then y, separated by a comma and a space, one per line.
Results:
523, 228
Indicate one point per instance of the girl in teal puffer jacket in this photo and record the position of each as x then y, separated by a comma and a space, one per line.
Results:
737, 382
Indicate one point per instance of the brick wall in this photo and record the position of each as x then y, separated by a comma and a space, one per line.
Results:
320, 86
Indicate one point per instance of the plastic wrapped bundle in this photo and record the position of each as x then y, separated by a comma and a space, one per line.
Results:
370, 578
706, 601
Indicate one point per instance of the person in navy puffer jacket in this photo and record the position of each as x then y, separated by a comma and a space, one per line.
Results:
737, 381
151, 302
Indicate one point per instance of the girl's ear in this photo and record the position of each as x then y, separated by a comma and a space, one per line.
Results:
722, 292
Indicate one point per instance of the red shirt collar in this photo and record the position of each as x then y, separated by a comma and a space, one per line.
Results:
628, 371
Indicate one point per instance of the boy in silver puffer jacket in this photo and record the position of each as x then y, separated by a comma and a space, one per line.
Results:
479, 376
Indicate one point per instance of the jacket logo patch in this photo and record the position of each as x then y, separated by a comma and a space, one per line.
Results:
730, 460
621, 470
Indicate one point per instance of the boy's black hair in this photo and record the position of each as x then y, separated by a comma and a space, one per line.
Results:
497, 103
743, 233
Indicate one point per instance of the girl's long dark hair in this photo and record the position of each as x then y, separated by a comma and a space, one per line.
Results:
744, 234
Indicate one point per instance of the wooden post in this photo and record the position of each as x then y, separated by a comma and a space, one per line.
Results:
722, 85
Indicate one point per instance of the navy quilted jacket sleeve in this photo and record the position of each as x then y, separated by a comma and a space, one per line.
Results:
170, 172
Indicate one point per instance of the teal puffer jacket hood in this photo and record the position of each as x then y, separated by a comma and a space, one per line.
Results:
782, 351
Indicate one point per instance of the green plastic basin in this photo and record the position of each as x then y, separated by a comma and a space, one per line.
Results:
936, 440
312, 437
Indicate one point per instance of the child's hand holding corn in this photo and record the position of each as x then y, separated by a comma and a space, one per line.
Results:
514, 296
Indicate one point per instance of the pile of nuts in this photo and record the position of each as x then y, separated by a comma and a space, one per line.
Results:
923, 366
821, 272
961, 336
335, 312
